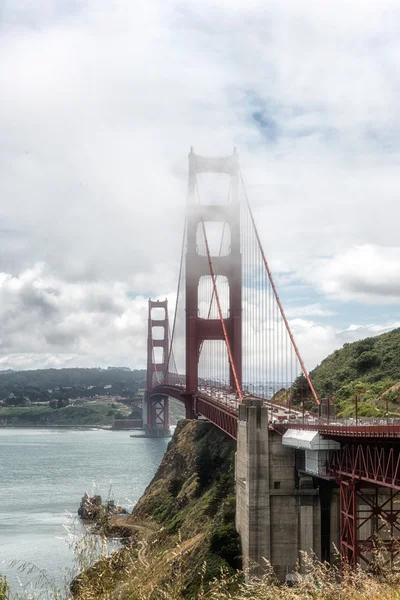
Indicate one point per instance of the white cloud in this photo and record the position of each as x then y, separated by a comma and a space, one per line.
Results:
49, 322
99, 104
365, 273
308, 310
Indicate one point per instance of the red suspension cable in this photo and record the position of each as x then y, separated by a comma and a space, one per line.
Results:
228, 346
177, 299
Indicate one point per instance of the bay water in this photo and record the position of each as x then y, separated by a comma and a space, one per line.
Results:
43, 476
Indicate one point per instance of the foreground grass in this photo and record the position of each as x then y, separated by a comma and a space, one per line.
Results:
122, 579
117, 578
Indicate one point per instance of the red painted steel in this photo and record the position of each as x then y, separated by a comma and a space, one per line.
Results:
222, 416
157, 372
360, 508
390, 432
199, 330
158, 412
382, 514
348, 522
378, 463
226, 339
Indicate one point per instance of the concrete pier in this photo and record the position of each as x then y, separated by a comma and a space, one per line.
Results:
277, 512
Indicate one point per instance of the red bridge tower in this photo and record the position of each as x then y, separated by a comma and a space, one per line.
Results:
199, 329
155, 407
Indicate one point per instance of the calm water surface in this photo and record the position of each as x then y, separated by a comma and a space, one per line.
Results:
43, 475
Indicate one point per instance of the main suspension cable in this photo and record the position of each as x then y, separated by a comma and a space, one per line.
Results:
177, 294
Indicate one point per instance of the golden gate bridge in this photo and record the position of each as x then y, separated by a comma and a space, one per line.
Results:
231, 343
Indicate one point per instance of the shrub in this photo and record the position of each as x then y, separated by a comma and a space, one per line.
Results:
175, 486
4, 588
225, 543
203, 466
367, 360
365, 345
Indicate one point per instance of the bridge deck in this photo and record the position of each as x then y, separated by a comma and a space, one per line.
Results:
344, 431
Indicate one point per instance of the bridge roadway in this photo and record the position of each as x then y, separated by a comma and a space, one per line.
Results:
222, 408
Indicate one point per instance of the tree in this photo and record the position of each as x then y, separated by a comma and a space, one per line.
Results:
367, 360
17, 401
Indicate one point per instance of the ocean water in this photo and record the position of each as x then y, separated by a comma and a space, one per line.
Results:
43, 475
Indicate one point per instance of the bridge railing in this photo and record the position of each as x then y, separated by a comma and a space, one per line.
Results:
351, 431
365, 422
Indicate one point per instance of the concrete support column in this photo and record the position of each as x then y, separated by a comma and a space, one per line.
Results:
145, 409
306, 527
275, 517
252, 484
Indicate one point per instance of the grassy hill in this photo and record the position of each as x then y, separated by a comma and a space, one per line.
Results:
75, 380
93, 413
370, 366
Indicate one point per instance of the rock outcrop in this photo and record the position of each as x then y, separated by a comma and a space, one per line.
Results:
91, 508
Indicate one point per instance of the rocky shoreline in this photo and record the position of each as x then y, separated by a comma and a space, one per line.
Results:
184, 522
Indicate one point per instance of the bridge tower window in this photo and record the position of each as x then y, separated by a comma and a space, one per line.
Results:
207, 302
218, 235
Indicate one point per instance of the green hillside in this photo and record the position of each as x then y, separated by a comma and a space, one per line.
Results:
371, 366
37, 383
90, 414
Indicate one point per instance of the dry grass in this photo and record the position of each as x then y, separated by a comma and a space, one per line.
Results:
122, 576
161, 577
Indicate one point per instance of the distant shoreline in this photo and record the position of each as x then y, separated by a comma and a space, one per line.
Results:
40, 426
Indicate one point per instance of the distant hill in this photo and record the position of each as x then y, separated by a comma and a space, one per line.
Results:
371, 366
73, 380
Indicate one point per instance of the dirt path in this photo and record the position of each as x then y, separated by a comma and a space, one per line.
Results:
183, 547
145, 530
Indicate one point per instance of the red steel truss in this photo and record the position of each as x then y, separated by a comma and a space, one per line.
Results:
348, 522
368, 520
373, 463
158, 412
222, 416
358, 466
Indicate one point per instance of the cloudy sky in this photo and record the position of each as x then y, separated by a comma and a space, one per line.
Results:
100, 101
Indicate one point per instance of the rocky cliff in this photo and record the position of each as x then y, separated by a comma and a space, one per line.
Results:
183, 532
